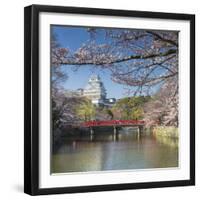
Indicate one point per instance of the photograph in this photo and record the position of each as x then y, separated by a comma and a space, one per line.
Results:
114, 99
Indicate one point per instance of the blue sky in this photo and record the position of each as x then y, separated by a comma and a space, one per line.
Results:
78, 79
72, 38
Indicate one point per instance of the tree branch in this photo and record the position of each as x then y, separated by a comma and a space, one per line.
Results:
127, 58
163, 39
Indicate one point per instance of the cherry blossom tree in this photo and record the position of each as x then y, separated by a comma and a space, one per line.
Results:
144, 60
163, 108
57, 75
64, 108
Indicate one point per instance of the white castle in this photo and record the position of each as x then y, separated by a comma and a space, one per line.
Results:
96, 92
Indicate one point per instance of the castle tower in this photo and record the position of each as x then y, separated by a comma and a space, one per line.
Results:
95, 90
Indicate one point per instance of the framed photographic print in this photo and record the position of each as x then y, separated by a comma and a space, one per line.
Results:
109, 100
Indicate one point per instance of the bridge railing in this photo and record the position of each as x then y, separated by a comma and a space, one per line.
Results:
112, 123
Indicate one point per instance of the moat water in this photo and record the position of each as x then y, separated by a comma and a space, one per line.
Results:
106, 151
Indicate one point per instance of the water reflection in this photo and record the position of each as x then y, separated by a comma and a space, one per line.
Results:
108, 151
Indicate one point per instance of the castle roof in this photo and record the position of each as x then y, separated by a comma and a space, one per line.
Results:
95, 85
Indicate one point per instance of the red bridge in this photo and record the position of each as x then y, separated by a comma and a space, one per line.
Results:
113, 123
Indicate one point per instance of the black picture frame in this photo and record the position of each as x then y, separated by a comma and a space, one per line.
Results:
31, 99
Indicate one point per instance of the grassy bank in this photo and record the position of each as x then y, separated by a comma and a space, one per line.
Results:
167, 135
166, 131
